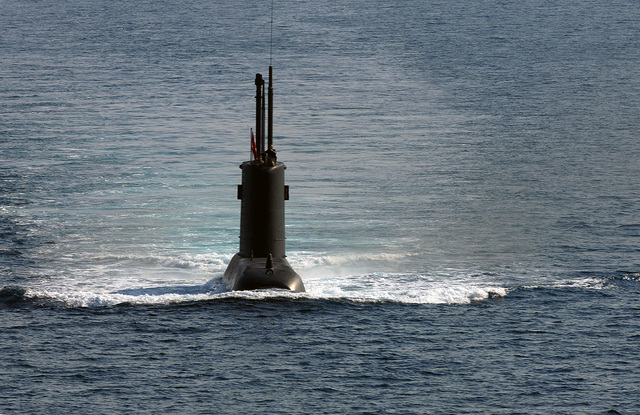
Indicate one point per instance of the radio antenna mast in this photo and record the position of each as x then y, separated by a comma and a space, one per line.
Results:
271, 40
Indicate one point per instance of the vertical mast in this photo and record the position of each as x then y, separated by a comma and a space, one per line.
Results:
263, 119
259, 115
270, 126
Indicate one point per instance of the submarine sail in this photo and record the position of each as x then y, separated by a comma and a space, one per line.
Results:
261, 261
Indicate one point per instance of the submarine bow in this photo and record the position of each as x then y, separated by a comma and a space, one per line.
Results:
261, 261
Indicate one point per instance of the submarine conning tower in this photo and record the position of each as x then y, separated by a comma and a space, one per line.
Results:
261, 261
262, 210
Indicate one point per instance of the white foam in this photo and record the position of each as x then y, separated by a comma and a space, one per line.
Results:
414, 289
591, 283
404, 288
587, 283
93, 299
155, 279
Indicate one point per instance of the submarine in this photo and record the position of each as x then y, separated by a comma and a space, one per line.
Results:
261, 262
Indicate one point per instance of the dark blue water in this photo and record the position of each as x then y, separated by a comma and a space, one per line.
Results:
464, 207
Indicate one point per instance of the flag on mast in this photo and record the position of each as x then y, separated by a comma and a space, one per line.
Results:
254, 150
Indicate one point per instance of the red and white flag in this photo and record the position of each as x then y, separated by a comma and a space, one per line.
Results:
254, 149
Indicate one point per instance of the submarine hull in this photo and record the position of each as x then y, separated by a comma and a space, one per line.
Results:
261, 273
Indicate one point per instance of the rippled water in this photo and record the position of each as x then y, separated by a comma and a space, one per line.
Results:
464, 207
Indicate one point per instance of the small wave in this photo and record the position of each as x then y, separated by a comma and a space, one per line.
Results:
10, 252
629, 275
601, 281
11, 294
592, 283
595, 281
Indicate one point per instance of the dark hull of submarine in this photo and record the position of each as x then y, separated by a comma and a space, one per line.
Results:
253, 274
261, 261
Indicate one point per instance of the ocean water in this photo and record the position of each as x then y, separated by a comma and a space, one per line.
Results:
464, 211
